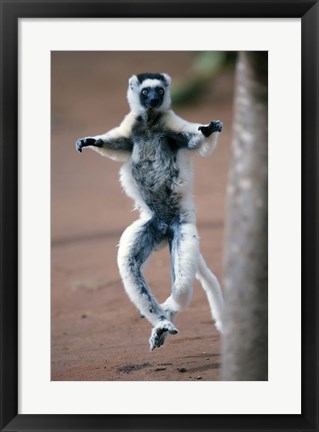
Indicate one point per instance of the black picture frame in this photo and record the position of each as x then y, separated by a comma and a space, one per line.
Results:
11, 11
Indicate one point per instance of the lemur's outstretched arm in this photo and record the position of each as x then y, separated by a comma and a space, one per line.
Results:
115, 144
194, 136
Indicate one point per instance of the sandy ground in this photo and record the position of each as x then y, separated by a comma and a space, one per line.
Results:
97, 333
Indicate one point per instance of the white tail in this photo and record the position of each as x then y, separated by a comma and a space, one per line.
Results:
213, 291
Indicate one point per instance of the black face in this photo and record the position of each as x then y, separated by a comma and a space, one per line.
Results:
152, 97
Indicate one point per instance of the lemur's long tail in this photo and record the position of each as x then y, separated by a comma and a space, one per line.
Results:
213, 291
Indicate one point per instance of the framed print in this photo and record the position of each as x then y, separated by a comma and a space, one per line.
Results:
75, 352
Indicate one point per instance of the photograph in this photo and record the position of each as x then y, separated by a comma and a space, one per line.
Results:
138, 235
158, 215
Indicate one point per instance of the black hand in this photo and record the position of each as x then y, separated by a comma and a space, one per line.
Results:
85, 142
214, 126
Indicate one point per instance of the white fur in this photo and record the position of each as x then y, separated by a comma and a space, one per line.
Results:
151, 83
213, 291
130, 188
185, 263
209, 145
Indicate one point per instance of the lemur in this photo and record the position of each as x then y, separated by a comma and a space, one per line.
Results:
156, 147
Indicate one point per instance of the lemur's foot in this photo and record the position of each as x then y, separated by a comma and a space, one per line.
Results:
85, 142
214, 126
159, 333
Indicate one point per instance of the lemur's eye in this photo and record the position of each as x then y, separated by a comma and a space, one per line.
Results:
144, 92
161, 92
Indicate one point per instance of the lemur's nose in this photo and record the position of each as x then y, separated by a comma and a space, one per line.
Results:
154, 102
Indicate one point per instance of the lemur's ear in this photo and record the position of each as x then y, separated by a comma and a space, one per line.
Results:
133, 82
168, 79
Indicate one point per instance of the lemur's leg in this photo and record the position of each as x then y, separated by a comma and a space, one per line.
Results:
184, 257
136, 244
184, 249
213, 291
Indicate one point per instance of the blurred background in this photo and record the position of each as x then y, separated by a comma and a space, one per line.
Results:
97, 333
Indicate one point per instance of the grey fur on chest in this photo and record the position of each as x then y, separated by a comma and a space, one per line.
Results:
155, 168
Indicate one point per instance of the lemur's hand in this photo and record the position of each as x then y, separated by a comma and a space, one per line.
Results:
85, 142
214, 126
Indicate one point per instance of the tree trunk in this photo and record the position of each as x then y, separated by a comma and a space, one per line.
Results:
245, 338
